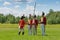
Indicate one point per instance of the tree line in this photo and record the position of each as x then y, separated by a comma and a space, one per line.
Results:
9, 19
53, 17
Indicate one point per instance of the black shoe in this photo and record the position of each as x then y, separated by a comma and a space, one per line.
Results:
22, 33
19, 33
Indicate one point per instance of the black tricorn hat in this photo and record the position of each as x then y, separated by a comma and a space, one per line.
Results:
34, 16
43, 13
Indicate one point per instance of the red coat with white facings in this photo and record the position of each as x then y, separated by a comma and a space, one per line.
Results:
21, 23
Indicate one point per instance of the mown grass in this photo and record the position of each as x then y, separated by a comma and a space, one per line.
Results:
10, 32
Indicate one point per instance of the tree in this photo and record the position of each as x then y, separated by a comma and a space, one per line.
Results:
38, 17
17, 19
53, 17
10, 18
2, 18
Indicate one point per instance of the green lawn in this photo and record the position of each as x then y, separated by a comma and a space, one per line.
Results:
10, 32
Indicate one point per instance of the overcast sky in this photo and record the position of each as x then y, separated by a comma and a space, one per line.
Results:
27, 7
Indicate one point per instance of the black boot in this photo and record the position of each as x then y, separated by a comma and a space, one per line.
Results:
19, 33
22, 33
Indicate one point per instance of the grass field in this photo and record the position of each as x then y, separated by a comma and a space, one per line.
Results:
10, 32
